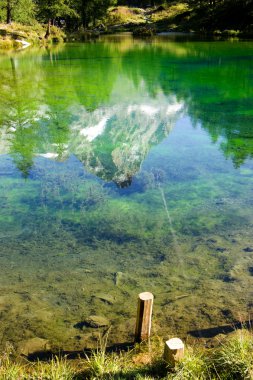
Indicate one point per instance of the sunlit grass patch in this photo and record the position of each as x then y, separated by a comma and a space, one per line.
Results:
170, 12
56, 369
234, 359
10, 370
124, 15
8, 43
31, 33
193, 366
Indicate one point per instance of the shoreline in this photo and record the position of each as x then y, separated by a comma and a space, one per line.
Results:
15, 35
231, 359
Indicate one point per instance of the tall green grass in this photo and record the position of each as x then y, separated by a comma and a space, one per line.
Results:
234, 359
231, 360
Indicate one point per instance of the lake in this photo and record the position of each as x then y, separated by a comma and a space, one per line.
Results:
126, 165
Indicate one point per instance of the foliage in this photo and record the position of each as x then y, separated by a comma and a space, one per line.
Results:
90, 11
19, 10
197, 15
124, 15
52, 9
170, 12
25, 12
31, 33
8, 43
60, 12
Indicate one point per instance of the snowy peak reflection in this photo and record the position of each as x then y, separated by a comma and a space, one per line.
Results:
113, 142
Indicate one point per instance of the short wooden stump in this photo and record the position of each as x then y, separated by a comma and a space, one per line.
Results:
173, 351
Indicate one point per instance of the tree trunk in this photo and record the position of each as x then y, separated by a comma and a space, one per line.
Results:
84, 21
84, 15
48, 32
13, 68
8, 14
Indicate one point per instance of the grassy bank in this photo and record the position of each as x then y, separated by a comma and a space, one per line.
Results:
221, 19
175, 16
231, 359
10, 34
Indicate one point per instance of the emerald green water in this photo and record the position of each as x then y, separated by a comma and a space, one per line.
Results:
125, 166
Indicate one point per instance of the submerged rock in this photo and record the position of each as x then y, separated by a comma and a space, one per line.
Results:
248, 249
107, 298
33, 345
226, 278
220, 249
96, 321
118, 276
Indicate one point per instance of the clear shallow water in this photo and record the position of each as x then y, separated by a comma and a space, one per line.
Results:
125, 166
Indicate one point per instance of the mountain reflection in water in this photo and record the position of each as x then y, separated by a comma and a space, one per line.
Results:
110, 103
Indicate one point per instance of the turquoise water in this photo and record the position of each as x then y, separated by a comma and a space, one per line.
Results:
125, 166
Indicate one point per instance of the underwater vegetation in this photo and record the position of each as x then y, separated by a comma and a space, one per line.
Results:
117, 178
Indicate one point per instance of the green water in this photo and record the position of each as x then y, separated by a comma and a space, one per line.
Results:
125, 166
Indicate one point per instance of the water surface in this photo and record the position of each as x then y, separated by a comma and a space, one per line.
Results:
125, 166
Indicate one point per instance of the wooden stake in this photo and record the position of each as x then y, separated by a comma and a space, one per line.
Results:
144, 315
173, 351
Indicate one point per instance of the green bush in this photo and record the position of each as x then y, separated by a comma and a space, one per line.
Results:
8, 43
56, 35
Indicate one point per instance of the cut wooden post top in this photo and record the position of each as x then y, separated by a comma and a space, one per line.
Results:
145, 296
173, 351
175, 343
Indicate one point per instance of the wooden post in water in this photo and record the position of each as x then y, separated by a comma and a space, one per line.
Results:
144, 315
173, 351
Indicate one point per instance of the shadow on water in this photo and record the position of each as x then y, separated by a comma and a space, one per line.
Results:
226, 329
72, 355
